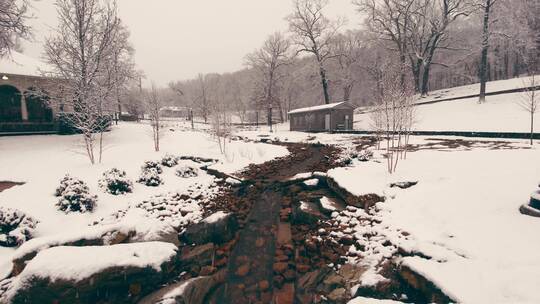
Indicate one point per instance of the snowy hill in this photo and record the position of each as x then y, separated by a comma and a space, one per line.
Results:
499, 113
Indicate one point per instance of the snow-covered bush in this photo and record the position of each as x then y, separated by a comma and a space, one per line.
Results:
365, 155
74, 196
150, 177
148, 165
348, 154
187, 171
115, 182
68, 181
169, 160
15, 227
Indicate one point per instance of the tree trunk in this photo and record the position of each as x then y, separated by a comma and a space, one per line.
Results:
484, 57
415, 68
324, 83
347, 90
532, 127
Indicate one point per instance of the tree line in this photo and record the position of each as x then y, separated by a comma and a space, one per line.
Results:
439, 44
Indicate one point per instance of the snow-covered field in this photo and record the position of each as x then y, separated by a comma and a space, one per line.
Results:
500, 113
41, 161
464, 214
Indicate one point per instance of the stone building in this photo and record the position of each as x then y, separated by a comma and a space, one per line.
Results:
24, 104
328, 117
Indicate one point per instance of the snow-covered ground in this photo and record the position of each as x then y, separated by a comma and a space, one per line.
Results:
472, 89
41, 161
499, 113
464, 211
464, 214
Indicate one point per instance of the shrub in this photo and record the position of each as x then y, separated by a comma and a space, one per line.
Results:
187, 171
74, 196
365, 155
148, 165
150, 177
169, 160
115, 182
15, 227
69, 181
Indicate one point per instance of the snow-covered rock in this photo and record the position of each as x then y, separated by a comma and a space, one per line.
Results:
82, 274
217, 228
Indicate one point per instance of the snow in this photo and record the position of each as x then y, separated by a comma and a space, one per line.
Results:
317, 108
536, 195
41, 161
464, 215
500, 113
327, 204
311, 182
215, 217
69, 263
20, 64
362, 300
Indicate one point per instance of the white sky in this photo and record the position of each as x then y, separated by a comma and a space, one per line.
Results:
177, 39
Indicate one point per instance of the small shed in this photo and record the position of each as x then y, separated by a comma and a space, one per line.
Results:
328, 117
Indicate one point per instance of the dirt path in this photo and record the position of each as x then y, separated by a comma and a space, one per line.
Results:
250, 270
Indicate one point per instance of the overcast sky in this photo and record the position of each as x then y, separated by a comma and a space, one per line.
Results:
177, 39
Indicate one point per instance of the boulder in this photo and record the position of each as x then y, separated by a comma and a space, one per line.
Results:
93, 236
338, 295
307, 213
328, 205
67, 274
403, 185
528, 210
535, 200
218, 228
311, 280
192, 291
199, 255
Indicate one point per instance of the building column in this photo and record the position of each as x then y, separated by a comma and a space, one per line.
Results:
24, 108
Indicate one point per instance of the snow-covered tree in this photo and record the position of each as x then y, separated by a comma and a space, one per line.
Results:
13, 18
531, 100
81, 53
153, 104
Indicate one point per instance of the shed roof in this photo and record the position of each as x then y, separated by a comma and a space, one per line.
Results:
322, 107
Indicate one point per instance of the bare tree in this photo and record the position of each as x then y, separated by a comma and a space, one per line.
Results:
13, 17
202, 98
313, 32
346, 48
269, 62
531, 100
153, 103
390, 20
220, 116
429, 31
122, 65
393, 116
80, 53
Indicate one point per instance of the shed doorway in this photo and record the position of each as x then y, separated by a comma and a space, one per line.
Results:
327, 122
